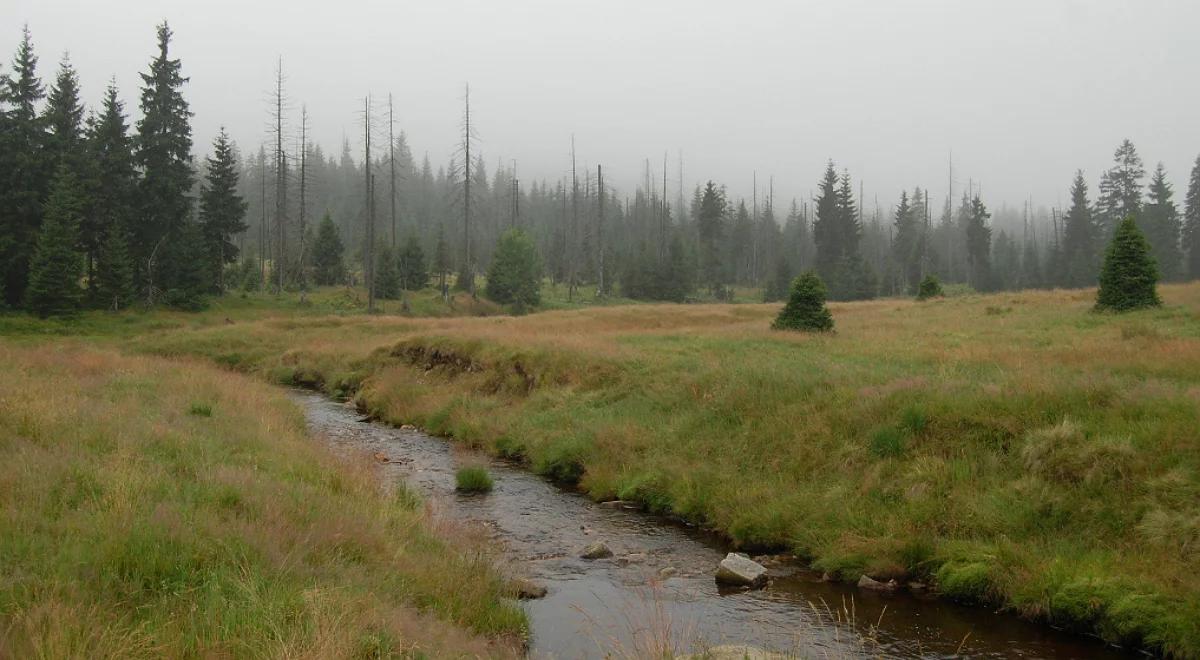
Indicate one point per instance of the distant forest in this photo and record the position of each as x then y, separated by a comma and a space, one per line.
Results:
99, 212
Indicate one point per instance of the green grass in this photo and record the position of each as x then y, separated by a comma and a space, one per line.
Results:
134, 522
473, 479
1014, 449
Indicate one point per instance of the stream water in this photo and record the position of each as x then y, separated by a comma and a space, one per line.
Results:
596, 605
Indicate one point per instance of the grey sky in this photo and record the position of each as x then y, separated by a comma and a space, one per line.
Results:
1023, 92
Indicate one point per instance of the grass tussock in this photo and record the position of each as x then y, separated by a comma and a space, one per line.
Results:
163, 509
473, 479
1014, 449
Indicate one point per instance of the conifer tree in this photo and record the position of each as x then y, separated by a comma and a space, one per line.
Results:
55, 266
515, 276
113, 286
163, 153
222, 211
930, 287
64, 120
441, 260
1129, 275
387, 279
710, 230
1031, 265
1191, 224
1079, 254
905, 243
778, 287
413, 274
26, 180
1121, 188
979, 244
111, 186
1160, 219
805, 308
328, 266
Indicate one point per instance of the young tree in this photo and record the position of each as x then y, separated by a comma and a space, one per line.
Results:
805, 308
1160, 219
1191, 225
979, 245
1129, 275
163, 153
328, 267
515, 276
387, 279
55, 267
1079, 254
710, 227
1121, 187
26, 179
413, 275
930, 287
222, 211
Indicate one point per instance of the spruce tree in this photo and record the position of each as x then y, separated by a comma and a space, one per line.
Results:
930, 287
710, 228
111, 186
113, 285
441, 260
222, 211
1121, 188
26, 179
1160, 219
327, 254
64, 120
979, 244
1079, 254
805, 308
905, 242
825, 230
54, 269
515, 276
1191, 223
1129, 275
163, 152
413, 274
387, 279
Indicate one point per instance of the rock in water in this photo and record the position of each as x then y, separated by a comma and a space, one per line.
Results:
596, 551
741, 571
865, 582
527, 589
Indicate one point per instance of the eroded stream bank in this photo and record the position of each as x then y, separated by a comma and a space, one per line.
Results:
595, 605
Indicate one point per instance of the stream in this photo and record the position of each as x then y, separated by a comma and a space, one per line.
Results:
595, 606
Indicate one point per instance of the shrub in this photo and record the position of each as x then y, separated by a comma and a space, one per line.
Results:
805, 309
930, 287
1129, 276
473, 479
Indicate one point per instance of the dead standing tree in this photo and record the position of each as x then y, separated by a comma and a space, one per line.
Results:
278, 108
369, 206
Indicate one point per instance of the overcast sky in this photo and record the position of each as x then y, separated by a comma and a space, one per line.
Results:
1022, 92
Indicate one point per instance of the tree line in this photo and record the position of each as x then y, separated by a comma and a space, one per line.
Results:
103, 214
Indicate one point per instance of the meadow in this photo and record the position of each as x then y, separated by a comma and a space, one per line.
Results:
1015, 450
151, 508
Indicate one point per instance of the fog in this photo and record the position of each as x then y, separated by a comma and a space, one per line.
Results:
1022, 93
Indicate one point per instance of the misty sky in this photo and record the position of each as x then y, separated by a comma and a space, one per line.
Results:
1023, 92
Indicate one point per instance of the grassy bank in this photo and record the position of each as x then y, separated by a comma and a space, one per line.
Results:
151, 508
1015, 449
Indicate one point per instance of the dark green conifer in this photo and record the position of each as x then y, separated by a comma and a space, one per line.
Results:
387, 279
1129, 276
1160, 219
413, 274
1079, 257
113, 286
222, 211
515, 276
805, 308
930, 287
54, 270
327, 254
1191, 223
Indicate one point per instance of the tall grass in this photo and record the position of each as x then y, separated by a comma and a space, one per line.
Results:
1045, 460
135, 522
